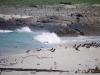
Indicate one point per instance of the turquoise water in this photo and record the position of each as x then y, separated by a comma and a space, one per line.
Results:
19, 41
13, 42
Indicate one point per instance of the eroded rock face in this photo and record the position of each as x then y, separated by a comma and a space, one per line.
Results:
51, 23
81, 20
14, 23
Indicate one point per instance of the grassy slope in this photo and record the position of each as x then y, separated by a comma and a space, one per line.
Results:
30, 2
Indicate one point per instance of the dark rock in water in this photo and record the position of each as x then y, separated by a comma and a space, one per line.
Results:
14, 23
79, 31
66, 32
83, 29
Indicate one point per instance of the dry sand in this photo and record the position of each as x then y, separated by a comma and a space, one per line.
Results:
62, 58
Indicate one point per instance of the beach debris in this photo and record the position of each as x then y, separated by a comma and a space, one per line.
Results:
65, 46
55, 63
36, 70
5, 62
33, 72
90, 70
38, 64
34, 56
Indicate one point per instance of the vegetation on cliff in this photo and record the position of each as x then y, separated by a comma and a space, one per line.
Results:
42, 2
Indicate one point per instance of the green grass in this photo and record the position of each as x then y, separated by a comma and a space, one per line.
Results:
43, 2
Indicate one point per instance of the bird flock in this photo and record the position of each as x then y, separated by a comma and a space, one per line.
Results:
87, 45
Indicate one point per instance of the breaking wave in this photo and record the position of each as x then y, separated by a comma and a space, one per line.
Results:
48, 38
5, 31
24, 29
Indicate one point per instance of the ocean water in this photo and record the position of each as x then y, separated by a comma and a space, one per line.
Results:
15, 41
23, 39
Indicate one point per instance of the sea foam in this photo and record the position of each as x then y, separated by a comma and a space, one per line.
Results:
5, 31
24, 29
48, 38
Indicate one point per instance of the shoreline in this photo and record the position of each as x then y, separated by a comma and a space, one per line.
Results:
70, 41
64, 20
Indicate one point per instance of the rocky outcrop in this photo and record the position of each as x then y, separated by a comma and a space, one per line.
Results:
50, 23
61, 19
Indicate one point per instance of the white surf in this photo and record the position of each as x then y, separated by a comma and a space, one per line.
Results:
24, 29
5, 31
48, 38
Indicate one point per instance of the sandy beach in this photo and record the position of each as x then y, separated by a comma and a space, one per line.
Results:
82, 58
62, 60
